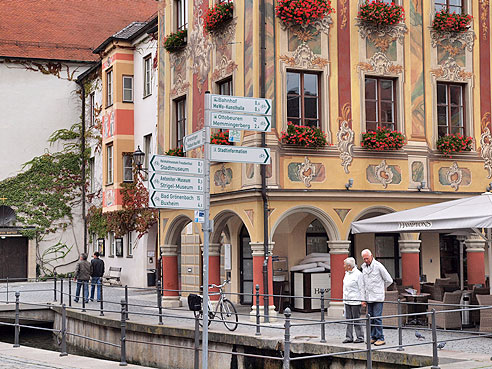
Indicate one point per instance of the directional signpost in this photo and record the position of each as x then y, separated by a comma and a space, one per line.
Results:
235, 104
196, 139
239, 154
176, 165
240, 121
172, 200
169, 182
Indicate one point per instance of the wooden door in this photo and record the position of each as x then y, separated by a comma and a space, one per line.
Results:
13, 258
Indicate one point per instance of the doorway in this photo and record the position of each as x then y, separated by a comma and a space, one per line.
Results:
245, 267
13, 257
388, 252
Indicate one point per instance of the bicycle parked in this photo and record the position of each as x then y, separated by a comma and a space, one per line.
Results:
224, 307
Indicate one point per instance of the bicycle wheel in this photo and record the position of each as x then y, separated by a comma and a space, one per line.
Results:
228, 314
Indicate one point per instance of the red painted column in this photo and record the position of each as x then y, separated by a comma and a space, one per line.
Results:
475, 260
258, 252
410, 263
339, 251
170, 282
214, 269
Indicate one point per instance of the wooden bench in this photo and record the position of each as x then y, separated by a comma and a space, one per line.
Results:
113, 277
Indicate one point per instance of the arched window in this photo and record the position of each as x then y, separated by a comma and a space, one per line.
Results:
7, 216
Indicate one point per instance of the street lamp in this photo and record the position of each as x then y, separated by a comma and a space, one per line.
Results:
138, 158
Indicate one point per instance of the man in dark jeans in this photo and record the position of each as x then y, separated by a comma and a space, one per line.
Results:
97, 272
82, 275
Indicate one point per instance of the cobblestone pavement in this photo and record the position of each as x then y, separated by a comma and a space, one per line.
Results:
145, 301
8, 362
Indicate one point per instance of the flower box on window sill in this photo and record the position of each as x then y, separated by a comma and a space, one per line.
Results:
454, 144
451, 22
218, 16
302, 12
175, 152
382, 139
379, 14
303, 137
221, 138
175, 41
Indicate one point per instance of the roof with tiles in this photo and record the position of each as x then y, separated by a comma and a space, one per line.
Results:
68, 29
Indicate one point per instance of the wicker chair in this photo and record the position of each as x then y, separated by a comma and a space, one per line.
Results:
454, 278
392, 309
447, 320
486, 314
475, 314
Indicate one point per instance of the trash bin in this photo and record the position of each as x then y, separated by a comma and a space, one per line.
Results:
151, 277
465, 314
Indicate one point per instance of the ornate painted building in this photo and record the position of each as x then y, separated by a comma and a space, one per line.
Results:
347, 77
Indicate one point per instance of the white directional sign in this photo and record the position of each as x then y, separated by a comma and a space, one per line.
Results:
169, 182
171, 200
238, 154
176, 165
235, 104
196, 139
234, 135
259, 123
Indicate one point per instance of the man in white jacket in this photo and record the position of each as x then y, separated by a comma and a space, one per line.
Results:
353, 288
376, 279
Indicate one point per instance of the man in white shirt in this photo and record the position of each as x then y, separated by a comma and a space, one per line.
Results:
353, 288
376, 279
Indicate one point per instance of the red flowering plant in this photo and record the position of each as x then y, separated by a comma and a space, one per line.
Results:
175, 41
454, 143
175, 152
381, 14
303, 136
302, 12
220, 138
444, 21
219, 14
382, 139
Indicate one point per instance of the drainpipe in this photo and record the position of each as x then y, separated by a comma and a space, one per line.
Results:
82, 153
263, 167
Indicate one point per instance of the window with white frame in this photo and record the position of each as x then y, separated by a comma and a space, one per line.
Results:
127, 167
129, 244
452, 6
180, 113
303, 107
380, 103
127, 88
92, 177
147, 150
109, 87
181, 8
147, 75
450, 109
92, 107
225, 86
109, 163
112, 244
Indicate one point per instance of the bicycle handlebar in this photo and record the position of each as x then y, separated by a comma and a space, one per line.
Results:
213, 285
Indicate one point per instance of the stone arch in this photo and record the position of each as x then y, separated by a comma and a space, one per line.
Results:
220, 224
324, 218
367, 212
7, 216
175, 228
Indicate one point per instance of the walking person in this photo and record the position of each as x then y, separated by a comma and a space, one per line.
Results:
376, 279
353, 287
97, 272
82, 276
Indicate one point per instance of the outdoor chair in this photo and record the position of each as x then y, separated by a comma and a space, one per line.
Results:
390, 307
454, 278
485, 314
113, 277
450, 320
475, 314
437, 289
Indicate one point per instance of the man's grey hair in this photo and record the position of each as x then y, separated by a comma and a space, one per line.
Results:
366, 251
84, 256
350, 261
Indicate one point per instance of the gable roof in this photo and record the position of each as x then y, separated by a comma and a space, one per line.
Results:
68, 29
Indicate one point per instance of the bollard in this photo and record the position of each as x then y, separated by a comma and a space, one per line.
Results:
17, 327
70, 290
400, 329
368, 342
323, 331
61, 291
83, 296
286, 361
126, 300
258, 332
64, 332
54, 287
101, 301
123, 334
197, 342
435, 357
159, 301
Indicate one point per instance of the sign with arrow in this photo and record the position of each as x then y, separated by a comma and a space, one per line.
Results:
176, 165
257, 123
169, 182
245, 105
239, 154
172, 200
196, 139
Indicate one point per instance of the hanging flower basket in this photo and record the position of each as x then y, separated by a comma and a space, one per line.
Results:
175, 152
176, 41
220, 138
302, 12
218, 15
303, 136
381, 14
450, 144
382, 139
451, 22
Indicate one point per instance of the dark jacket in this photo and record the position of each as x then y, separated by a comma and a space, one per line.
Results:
97, 268
83, 270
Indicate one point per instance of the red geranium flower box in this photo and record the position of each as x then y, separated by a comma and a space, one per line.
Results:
218, 15
382, 139
444, 21
303, 136
220, 138
302, 12
175, 152
453, 144
381, 14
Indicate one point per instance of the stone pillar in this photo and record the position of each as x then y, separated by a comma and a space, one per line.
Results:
170, 283
410, 263
475, 260
257, 249
214, 269
339, 251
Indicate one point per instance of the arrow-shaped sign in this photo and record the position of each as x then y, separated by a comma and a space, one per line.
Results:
194, 140
170, 182
257, 123
171, 200
176, 165
237, 104
240, 154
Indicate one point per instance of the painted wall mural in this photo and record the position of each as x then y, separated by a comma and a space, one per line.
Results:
416, 70
455, 176
342, 213
306, 172
418, 171
383, 174
344, 67
345, 139
223, 176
